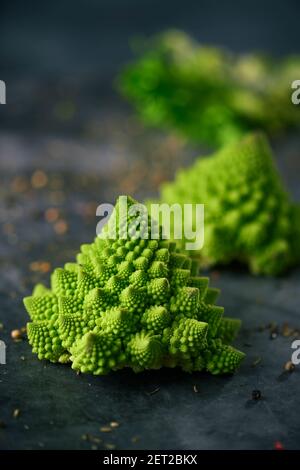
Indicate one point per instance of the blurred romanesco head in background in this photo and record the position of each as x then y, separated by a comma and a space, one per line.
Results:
131, 303
249, 217
208, 94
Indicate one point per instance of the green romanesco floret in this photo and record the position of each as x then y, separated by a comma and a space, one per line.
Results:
248, 216
208, 94
131, 303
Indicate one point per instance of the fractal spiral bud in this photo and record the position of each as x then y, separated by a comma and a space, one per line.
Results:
137, 303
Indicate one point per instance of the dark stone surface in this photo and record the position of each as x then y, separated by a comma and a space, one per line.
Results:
57, 407
59, 62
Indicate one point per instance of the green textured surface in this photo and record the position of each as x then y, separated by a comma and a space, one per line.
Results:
249, 216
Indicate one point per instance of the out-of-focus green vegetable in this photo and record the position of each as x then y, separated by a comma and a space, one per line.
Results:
208, 94
249, 217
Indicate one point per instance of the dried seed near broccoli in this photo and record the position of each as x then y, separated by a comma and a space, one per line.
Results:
16, 334
256, 395
105, 429
94, 439
110, 446
256, 362
288, 331
16, 413
289, 366
114, 424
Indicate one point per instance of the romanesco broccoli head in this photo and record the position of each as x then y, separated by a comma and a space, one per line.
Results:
208, 94
249, 217
131, 303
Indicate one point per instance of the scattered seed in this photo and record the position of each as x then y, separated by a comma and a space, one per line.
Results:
51, 214
22, 358
114, 424
135, 439
1, 326
61, 227
93, 447
110, 446
256, 394
16, 413
105, 429
91, 438
154, 391
256, 362
26, 427
39, 179
40, 266
273, 335
16, 334
286, 330
289, 366
195, 388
